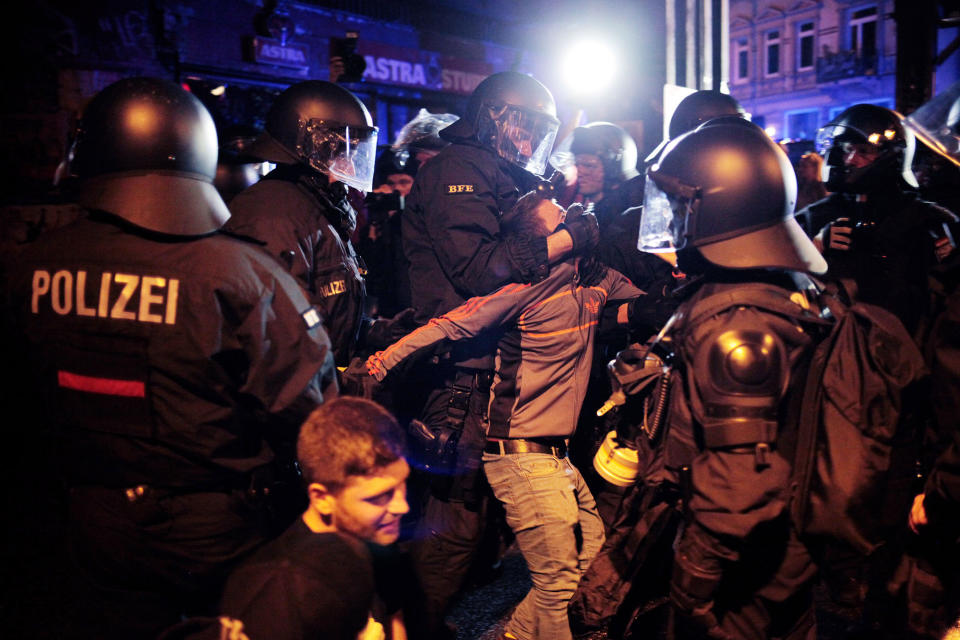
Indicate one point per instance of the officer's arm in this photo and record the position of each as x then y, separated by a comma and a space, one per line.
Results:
463, 223
942, 492
740, 370
291, 368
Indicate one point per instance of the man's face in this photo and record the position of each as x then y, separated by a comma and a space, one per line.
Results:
859, 154
550, 214
589, 174
522, 139
370, 506
400, 183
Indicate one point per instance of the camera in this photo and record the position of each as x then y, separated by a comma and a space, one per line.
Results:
346, 49
379, 205
863, 233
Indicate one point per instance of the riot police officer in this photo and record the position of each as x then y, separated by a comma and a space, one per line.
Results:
607, 178
740, 570
455, 250
323, 141
175, 365
880, 240
655, 274
619, 247
933, 600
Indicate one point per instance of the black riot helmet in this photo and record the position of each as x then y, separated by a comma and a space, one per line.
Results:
146, 151
694, 110
866, 129
728, 191
614, 146
513, 114
700, 106
324, 126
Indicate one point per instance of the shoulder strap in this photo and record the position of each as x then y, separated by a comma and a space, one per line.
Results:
758, 295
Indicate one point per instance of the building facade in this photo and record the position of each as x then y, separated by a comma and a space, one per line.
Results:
795, 65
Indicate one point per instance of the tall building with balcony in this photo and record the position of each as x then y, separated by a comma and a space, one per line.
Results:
795, 64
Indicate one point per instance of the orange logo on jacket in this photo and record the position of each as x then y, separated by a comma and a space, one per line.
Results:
593, 306
459, 188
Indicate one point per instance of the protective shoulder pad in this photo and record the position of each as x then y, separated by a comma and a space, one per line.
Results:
741, 373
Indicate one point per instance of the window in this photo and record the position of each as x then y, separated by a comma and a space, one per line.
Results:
802, 125
863, 31
805, 47
773, 53
741, 60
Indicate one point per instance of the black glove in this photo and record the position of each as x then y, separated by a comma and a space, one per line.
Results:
697, 571
384, 332
646, 314
835, 236
355, 381
583, 229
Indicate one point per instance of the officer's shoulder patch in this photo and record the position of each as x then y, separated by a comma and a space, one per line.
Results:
458, 188
311, 317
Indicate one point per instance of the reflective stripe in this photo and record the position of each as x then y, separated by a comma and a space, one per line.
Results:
107, 386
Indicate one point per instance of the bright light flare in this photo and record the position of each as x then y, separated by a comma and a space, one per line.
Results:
589, 65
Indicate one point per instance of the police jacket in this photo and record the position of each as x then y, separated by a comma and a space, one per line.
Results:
896, 241
177, 362
451, 234
546, 336
735, 377
307, 228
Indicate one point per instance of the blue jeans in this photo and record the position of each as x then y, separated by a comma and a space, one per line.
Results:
558, 530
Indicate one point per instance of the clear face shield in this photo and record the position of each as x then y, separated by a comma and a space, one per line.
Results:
664, 220
344, 152
521, 136
937, 123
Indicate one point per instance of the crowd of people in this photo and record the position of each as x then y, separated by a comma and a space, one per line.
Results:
312, 404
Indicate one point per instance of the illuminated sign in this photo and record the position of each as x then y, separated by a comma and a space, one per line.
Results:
397, 72
269, 51
388, 64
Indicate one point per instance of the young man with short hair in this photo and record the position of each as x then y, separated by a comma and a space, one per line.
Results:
317, 579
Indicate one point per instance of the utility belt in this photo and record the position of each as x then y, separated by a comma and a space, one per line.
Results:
264, 500
439, 443
462, 383
256, 484
556, 447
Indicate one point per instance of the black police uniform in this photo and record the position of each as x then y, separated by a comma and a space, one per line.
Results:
897, 240
740, 570
306, 224
177, 370
452, 242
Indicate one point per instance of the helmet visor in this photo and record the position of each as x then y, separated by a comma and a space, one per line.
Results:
834, 135
347, 153
521, 136
660, 231
937, 123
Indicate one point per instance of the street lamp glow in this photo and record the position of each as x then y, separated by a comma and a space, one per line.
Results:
589, 65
